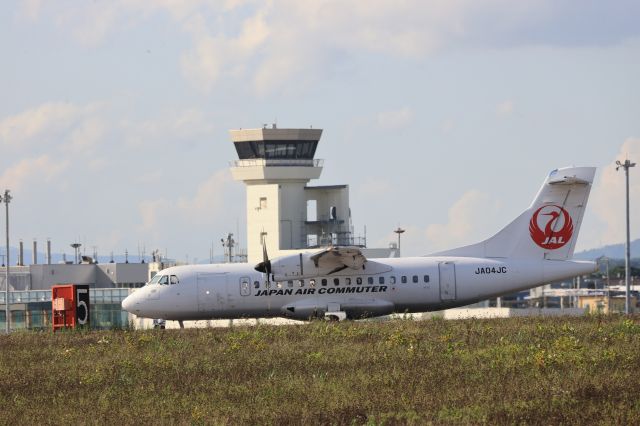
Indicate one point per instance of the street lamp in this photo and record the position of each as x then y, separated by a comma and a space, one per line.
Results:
627, 301
76, 246
399, 231
228, 244
7, 199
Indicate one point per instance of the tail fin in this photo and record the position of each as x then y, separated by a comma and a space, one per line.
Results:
549, 228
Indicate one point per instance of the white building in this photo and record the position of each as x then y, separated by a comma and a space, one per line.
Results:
276, 165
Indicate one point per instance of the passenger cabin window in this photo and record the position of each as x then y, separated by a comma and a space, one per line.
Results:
404, 279
381, 280
164, 280
300, 283
290, 283
256, 284
174, 279
324, 281
392, 280
359, 280
426, 278
312, 283
415, 278
348, 281
370, 280
336, 281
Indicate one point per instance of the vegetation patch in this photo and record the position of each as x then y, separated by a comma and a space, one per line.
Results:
518, 370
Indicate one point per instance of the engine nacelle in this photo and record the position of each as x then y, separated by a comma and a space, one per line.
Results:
297, 266
309, 265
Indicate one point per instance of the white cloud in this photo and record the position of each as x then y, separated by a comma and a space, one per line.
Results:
31, 9
42, 123
32, 171
87, 135
504, 108
280, 43
469, 221
185, 125
149, 212
607, 201
395, 119
200, 209
208, 199
213, 56
448, 125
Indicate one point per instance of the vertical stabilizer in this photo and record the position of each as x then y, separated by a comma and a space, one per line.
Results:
549, 228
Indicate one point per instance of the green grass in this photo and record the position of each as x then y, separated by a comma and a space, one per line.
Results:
521, 370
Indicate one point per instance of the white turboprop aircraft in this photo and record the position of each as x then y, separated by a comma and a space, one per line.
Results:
340, 283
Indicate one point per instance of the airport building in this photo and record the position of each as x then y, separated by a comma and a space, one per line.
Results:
30, 288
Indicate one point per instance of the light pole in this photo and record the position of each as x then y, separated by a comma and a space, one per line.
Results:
7, 199
399, 231
76, 246
228, 244
627, 301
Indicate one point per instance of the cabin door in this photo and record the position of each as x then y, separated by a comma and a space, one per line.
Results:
245, 286
447, 280
212, 292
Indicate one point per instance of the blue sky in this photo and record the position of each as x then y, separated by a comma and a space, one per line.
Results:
443, 116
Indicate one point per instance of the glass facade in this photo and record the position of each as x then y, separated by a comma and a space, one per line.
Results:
276, 150
31, 310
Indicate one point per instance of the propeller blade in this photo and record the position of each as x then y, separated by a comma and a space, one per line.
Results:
265, 265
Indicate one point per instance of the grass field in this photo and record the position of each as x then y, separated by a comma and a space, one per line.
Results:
523, 370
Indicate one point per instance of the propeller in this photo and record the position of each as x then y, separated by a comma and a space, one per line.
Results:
265, 265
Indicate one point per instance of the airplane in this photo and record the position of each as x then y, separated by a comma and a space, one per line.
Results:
339, 282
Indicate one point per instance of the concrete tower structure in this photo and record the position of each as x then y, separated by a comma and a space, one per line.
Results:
276, 165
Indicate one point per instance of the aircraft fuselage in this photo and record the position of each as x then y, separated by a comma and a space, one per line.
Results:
381, 287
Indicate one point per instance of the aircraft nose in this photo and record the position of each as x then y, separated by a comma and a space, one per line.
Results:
128, 302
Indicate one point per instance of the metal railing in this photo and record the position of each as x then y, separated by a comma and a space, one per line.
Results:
263, 162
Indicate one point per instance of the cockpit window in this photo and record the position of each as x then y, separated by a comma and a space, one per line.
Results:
164, 280
174, 279
155, 279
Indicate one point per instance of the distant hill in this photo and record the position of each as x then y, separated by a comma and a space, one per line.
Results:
614, 251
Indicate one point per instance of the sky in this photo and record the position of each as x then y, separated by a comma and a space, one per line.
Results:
443, 117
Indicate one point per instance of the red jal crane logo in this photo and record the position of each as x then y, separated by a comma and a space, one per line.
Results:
558, 228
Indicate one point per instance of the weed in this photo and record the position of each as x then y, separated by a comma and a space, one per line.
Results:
519, 370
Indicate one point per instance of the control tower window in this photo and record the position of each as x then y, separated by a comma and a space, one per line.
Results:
276, 150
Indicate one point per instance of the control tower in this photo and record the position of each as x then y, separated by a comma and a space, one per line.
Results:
276, 165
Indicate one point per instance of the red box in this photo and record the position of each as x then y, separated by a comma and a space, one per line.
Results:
69, 306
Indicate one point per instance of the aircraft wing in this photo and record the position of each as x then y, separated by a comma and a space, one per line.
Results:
338, 258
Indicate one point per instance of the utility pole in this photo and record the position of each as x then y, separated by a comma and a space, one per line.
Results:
7, 199
399, 231
627, 259
228, 245
76, 247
